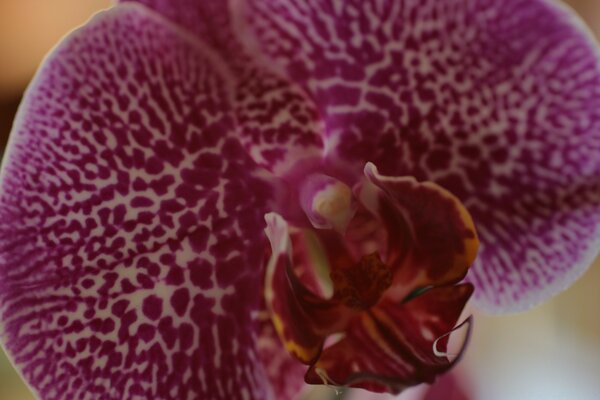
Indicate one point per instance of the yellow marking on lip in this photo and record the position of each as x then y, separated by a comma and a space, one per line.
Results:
306, 355
471, 244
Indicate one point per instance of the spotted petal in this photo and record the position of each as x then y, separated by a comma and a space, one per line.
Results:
498, 101
207, 19
127, 258
277, 124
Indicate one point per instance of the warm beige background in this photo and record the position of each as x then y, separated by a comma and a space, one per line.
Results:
549, 353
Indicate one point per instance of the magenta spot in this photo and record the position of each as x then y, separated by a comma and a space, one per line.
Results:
114, 360
145, 281
171, 205
161, 186
200, 274
118, 309
146, 332
69, 350
153, 270
129, 226
146, 217
81, 344
175, 276
127, 286
142, 262
76, 327
139, 184
186, 221
152, 307
167, 331
186, 335
126, 321
95, 324
138, 158
158, 231
94, 344
180, 300
108, 325
107, 347
119, 214
141, 201
85, 363
154, 165
167, 259
199, 238
87, 283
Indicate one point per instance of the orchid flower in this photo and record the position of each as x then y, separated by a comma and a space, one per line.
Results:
194, 189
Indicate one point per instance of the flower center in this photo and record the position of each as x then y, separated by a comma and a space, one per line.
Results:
361, 285
394, 250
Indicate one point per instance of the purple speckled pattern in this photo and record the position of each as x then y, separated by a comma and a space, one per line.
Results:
270, 109
498, 101
276, 123
133, 190
129, 268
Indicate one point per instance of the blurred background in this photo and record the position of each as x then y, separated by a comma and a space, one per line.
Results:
549, 353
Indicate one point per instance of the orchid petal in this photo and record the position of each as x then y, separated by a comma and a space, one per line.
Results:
392, 347
277, 123
495, 100
210, 20
131, 237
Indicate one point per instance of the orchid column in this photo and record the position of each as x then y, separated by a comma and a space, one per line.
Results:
382, 140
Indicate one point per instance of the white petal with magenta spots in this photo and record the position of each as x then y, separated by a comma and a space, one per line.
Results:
127, 258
